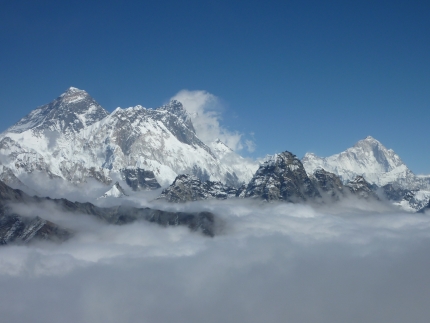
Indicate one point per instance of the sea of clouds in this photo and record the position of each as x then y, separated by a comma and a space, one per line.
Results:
270, 262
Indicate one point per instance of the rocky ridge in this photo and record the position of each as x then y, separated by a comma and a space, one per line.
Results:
16, 228
280, 178
187, 188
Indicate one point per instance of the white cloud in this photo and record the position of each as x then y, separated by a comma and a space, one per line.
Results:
272, 263
205, 110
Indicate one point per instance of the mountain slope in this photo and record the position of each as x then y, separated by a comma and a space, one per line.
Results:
16, 228
74, 138
282, 177
370, 159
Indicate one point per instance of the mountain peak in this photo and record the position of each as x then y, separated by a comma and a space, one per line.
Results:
71, 111
175, 107
73, 90
369, 141
176, 112
367, 157
116, 191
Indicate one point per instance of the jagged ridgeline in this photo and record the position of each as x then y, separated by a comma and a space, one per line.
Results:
19, 229
281, 178
75, 139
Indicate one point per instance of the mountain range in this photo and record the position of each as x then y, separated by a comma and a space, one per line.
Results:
74, 139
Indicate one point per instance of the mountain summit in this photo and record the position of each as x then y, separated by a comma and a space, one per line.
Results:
71, 112
74, 138
367, 158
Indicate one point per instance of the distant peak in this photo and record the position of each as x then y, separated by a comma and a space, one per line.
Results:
73, 90
369, 140
174, 106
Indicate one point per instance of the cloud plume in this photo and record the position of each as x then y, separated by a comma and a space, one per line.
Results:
205, 111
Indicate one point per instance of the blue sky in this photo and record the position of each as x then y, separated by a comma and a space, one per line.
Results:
291, 75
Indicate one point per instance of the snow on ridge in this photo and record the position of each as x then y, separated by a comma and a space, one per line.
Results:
161, 140
367, 158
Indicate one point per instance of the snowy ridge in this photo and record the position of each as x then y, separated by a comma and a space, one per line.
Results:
71, 111
367, 158
74, 138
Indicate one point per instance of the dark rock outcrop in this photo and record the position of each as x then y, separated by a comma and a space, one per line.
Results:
361, 188
18, 229
15, 228
394, 192
328, 184
282, 178
139, 179
425, 208
187, 188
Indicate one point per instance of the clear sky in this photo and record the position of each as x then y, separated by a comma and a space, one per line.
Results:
292, 75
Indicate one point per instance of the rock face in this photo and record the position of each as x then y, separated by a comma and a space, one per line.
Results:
15, 228
394, 192
75, 139
139, 179
328, 184
414, 201
282, 178
425, 209
361, 188
187, 188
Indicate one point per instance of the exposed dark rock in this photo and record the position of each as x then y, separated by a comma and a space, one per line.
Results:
282, 178
139, 179
394, 192
187, 188
361, 188
415, 202
19, 229
328, 184
425, 208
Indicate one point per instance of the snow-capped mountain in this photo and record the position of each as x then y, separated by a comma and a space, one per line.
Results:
283, 178
116, 191
69, 113
74, 138
414, 201
370, 159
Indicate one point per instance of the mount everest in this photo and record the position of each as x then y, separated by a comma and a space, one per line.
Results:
74, 138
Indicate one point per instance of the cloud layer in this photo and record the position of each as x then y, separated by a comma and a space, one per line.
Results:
272, 263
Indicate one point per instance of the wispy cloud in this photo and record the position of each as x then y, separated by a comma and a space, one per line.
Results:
206, 114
